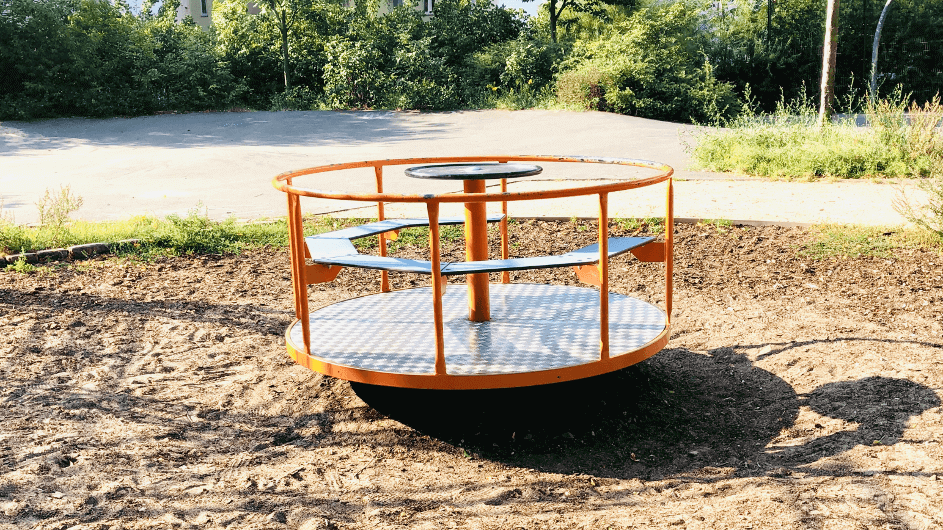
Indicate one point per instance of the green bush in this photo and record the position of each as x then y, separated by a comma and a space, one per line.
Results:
93, 58
353, 75
298, 98
780, 60
651, 66
584, 88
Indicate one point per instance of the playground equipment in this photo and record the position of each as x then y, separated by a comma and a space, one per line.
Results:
488, 335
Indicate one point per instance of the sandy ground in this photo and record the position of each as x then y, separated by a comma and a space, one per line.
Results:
794, 394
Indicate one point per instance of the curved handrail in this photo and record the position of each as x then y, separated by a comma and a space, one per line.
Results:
284, 183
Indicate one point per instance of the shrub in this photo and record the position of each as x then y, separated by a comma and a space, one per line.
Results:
584, 88
54, 211
93, 58
928, 216
298, 98
353, 75
649, 66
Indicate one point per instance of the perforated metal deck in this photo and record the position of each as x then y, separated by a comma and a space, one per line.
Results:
533, 328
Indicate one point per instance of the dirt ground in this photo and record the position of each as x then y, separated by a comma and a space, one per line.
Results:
793, 394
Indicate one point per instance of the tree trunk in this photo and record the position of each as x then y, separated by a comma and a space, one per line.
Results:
769, 21
283, 27
553, 20
829, 52
874, 51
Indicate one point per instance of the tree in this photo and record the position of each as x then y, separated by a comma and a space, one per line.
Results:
829, 53
279, 10
586, 6
874, 51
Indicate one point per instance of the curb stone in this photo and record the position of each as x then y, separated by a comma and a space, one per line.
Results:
76, 252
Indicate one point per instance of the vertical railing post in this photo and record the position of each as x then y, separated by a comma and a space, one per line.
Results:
603, 276
381, 215
669, 247
433, 211
296, 250
505, 251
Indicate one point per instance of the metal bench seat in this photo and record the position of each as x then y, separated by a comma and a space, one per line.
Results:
584, 256
338, 251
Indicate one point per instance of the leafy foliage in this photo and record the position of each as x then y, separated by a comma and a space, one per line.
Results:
685, 60
649, 65
94, 58
784, 59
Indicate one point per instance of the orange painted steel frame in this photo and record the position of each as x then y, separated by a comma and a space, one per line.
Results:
475, 197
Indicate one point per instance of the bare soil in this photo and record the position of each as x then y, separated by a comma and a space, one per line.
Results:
793, 394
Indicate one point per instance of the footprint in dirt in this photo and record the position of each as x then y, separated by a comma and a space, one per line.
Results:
678, 412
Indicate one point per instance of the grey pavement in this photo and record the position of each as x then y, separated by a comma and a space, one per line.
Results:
224, 163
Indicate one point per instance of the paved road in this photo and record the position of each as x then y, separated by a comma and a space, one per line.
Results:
172, 163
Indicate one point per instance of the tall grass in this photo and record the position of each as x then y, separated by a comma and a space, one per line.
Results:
900, 140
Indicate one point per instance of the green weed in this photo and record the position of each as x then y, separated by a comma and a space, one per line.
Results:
654, 225
927, 216
851, 241
21, 266
902, 140
724, 223
629, 224
54, 211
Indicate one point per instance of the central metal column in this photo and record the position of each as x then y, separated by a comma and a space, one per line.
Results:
476, 249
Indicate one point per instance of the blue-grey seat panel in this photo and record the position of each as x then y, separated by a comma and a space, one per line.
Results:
617, 246
330, 251
499, 265
329, 247
583, 256
379, 262
379, 227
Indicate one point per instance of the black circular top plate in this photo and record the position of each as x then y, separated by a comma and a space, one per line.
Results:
473, 171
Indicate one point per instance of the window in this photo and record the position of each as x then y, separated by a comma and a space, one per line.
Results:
396, 3
203, 11
427, 6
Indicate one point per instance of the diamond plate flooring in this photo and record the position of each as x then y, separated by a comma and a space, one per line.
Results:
533, 327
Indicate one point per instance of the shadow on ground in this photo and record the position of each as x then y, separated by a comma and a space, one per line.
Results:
678, 413
221, 129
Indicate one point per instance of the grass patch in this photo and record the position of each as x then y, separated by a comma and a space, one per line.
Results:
901, 140
652, 225
851, 241
717, 223
417, 236
174, 235
194, 234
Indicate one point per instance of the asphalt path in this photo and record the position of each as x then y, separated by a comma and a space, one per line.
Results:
223, 164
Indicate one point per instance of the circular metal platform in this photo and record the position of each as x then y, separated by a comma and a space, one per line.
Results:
537, 334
